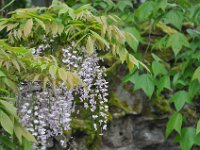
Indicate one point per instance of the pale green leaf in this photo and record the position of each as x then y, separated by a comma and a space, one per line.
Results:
6, 122
28, 27
41, 23
122, 54
9, 108
62, 74
53, 71
90, 45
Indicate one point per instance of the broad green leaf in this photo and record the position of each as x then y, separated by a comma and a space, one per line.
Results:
180, 98
188, 138
198, 127
122, 4
174, 17
162, 4
177, 41
131, 76
158, 68
145, 82
6, 122
194, 88
174, 123
196, 74
164, 82
145, 10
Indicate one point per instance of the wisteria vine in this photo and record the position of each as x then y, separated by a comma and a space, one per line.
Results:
47, 113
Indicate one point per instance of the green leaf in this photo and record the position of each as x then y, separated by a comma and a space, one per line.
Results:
28, 27
156, 58
196, 74
164, 82
193, 33
99, 38
90, 45
145, 82
122, 4
158, 68
180, 98
194, 88
122, 54
6, 122
18, 132
162, 4
198, 127
7, 143
9, 108
62, 74
131, 61
145, 10
188, 138
53, 71
160, 44
174, 123
10, 84
2, 74
41, 23
27, 145
174, 17
177, 41
132, 42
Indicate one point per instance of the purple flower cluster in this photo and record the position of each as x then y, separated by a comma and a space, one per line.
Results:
47, 113
96, 91
44, 113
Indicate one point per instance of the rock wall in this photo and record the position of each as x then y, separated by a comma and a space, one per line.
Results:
134, 133
136, 125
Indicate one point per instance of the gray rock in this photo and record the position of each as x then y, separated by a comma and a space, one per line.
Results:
134, 101
119, 133
146, 134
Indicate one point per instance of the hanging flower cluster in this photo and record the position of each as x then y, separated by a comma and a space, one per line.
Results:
47, 113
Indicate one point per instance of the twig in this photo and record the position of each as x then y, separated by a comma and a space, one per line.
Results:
7, 5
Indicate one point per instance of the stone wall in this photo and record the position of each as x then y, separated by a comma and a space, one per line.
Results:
136, 125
